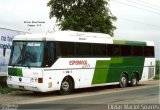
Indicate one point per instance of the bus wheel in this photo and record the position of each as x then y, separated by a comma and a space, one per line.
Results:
123, 81
134, 80
66, 86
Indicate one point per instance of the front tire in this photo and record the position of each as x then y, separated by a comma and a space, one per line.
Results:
66, 86
123, 81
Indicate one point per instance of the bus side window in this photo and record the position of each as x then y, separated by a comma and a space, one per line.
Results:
137, 50
66, 49
49, 54
83, 49
126, 50
149, 51
113, 50
98, 50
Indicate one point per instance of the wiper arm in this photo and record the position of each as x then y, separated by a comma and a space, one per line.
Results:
28, 58
20, 58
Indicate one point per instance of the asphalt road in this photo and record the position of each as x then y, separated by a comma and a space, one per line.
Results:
112, 98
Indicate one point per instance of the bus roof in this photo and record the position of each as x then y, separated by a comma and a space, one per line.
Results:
68, 36
74, 36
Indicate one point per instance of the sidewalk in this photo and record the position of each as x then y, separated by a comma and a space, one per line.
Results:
150, 82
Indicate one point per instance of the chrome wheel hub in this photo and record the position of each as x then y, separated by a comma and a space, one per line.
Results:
65, 86
123, 80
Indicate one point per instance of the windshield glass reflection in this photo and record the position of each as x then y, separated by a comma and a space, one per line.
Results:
28, 54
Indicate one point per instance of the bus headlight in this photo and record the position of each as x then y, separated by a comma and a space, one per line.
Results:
36, 80
10, 78
33, 80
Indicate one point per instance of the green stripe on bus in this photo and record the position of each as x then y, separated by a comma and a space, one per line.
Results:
136, 43
102, 70
15, 72
118, 42
107, 71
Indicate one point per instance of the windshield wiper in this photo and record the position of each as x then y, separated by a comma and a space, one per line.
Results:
27, 59
20, 58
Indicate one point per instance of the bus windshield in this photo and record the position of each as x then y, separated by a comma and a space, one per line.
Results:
27, 54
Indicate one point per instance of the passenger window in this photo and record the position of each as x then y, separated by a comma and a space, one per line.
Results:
113, 50
49, 54
66, 49
83, 49
137, 50
98, 50
126, 50
149, 51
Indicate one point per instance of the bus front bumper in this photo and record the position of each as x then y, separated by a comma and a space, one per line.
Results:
27, 86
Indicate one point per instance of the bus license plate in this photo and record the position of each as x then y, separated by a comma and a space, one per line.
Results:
21, 87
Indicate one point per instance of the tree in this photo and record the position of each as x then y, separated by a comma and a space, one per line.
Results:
83, 15
157, 67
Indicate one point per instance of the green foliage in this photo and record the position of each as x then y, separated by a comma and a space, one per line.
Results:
157, 76
5, 90
83, 15
3, 85
157, 67
3, 82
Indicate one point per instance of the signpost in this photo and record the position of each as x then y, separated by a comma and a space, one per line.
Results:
6, 36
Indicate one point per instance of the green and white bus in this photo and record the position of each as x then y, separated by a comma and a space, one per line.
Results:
67, 60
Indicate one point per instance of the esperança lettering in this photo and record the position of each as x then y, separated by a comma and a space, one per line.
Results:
78, 62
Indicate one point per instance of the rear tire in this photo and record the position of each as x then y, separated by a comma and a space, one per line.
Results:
123, 81
134, 80
66, 86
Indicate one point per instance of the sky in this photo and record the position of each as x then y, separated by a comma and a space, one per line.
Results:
137, 19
